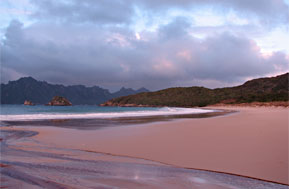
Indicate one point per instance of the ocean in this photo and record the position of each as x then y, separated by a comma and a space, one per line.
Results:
41, 112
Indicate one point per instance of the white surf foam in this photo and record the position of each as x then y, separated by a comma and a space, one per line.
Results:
160, 112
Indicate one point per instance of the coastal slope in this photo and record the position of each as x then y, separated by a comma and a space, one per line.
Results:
256, 90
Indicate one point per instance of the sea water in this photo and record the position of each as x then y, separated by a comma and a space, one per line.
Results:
41, 112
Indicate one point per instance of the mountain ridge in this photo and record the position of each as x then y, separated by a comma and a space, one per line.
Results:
256, 90
41, 92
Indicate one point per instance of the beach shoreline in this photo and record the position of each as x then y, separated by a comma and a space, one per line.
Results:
255, 145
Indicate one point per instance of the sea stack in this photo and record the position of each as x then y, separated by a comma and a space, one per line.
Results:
59, 101
28, 103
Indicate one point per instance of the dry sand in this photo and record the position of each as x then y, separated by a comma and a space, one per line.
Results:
252, 142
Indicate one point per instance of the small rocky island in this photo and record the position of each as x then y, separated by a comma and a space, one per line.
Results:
28, 103
59, 101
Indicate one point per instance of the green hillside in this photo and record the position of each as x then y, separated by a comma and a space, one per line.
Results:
257, 90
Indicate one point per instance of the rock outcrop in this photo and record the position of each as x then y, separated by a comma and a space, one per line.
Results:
59, 101
28, 103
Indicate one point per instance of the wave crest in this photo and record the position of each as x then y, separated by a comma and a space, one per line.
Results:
160, 112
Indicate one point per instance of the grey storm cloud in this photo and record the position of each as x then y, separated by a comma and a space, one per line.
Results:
113, 57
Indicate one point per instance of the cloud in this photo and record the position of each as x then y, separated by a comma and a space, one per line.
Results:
176, 29
84, 11
113, 57
268, 13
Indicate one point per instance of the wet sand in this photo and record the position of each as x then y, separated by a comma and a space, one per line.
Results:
252, 142
27, 163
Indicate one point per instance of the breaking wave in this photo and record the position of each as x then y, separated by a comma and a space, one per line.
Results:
91, 115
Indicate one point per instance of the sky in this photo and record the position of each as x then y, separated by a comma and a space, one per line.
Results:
144, 43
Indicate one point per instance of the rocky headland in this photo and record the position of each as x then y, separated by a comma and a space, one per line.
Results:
271, 91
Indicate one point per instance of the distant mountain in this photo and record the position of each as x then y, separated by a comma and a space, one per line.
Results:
128, 91
41, 92
256, 90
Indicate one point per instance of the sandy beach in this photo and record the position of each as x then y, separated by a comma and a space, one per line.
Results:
252, 142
